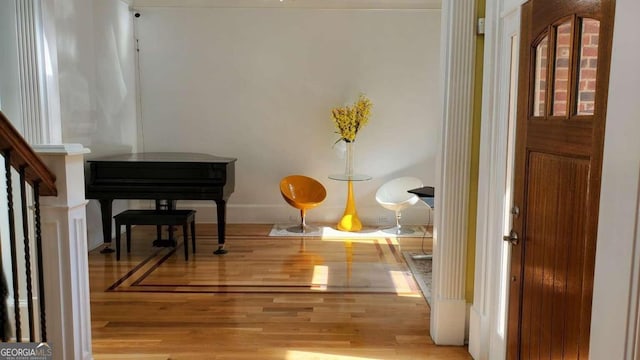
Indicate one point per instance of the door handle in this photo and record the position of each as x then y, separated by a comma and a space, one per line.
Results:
512, 238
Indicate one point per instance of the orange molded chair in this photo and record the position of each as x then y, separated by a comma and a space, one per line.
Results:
303, 193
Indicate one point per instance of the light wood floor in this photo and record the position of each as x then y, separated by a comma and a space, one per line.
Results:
284, 298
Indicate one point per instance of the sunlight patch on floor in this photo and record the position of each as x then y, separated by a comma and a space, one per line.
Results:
320, 278
392, 240
401, 284
307, 355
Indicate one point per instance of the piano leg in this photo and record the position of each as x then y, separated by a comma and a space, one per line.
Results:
105, 211
171, 204
158, 227
221, 206
159, 241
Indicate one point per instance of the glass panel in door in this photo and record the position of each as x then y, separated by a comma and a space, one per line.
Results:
561, 69
540, 83
589, 34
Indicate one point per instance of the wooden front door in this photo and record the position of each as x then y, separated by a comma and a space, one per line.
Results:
565, 54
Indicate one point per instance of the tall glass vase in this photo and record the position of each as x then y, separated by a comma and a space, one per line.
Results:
348, 170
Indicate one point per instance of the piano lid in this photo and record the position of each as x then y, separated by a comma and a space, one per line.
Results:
165, 157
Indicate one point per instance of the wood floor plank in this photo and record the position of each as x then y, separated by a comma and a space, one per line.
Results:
272, 324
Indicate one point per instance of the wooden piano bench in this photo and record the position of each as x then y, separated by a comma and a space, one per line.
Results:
157, 217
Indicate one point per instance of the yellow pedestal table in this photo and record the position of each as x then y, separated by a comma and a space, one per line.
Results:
350, 220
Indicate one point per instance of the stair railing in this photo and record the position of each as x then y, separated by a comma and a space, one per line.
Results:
21, 160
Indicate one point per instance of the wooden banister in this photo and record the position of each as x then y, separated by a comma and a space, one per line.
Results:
22, 155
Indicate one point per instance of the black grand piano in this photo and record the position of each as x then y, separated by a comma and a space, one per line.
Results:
160, 176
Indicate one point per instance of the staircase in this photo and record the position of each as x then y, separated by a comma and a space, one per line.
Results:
43, 253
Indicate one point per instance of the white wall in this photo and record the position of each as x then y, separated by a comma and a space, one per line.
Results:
10, 106
615, 296
259, 84
96, 74
9, 68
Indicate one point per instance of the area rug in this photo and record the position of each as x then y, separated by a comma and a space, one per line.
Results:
276, 265
280, 230
421, 269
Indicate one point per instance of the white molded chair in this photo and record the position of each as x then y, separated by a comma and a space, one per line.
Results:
393, 195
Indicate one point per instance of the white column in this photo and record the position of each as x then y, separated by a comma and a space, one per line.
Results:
64, 246
29, 72
48, 47
449, 308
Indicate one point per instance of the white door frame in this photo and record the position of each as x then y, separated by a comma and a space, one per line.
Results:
616, 286
487, 319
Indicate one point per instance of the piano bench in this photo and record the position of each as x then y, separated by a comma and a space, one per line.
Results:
157, 217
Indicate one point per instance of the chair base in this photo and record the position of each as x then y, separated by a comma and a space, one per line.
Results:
221, 250
399, 231
300, 229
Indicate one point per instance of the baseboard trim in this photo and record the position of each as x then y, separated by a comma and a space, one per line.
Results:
448, 323
475, 333
282, 213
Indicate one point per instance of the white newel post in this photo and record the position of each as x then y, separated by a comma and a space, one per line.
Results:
448, 304
64, 246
